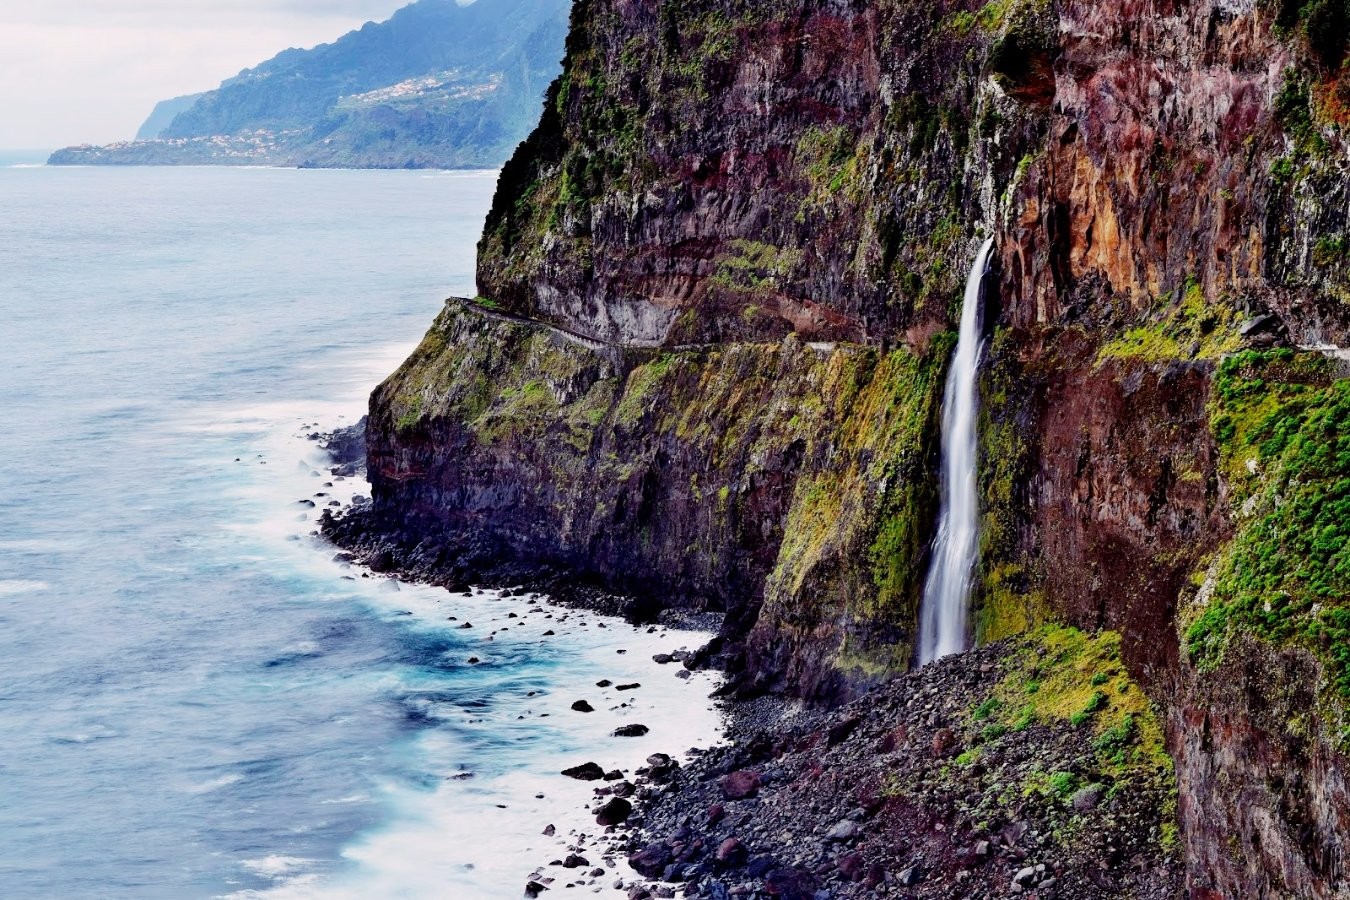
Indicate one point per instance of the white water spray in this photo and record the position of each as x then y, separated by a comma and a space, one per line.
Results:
942, 614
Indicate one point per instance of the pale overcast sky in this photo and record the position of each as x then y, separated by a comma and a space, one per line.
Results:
77, 71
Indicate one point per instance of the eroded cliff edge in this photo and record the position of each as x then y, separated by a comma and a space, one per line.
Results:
716, 290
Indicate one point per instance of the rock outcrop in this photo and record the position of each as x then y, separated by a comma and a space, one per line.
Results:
717, 284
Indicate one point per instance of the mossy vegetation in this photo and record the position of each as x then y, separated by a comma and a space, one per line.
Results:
1061, 674
641, 382
1007, 600
1062, 717
1282, 422
989, 17
855, 533
1190, 328
849, 432
753, 267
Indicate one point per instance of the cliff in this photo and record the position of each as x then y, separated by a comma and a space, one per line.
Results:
717, 286
162, 116
437, 85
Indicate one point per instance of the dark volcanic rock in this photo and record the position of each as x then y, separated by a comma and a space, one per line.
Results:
615, 812
585, 772
739, 785
631, 730
652, 861
732, 852
845, 820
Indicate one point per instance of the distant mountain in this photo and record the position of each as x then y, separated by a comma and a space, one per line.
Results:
438, 85
162, 116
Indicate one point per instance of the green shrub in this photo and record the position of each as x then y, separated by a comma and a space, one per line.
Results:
1095, 703
986, 709
1062, 784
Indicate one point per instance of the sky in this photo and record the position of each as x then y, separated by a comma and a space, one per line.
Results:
90, 71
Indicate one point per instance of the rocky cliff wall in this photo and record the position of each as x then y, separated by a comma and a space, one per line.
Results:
717, 285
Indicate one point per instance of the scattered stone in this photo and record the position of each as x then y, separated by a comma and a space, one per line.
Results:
846, 830
585, 772
790, 884
652, 861
628, 687
852, 866
732, 852
534, 889
841, 732
603, 683
583, 706
633, 730
574, 861
549, 831
740, 785
615, 812
1087, 798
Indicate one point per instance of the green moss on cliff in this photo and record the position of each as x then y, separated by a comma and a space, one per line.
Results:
752, 267
854, 536
1190, 329
1282, 421
821, 460
1007, 600
1062, 674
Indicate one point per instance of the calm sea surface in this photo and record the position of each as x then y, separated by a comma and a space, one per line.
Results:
196, 700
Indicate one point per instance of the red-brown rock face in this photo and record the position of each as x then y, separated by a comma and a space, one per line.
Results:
712, 176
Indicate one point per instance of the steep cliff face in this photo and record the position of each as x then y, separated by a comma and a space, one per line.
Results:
709, 476
718, 282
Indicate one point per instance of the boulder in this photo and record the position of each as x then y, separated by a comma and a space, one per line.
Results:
740, 785
585, 772
615, 812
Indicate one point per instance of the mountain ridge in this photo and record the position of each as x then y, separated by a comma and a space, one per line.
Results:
437, 85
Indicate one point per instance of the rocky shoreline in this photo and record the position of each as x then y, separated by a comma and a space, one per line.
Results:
917, 790
1030, 767
418, 550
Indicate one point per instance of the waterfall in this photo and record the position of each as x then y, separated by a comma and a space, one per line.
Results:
946, 594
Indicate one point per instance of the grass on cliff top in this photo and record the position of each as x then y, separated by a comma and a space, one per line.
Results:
1282, 422
1060, 674
1193, 329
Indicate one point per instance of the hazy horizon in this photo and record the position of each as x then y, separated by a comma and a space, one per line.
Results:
90, 71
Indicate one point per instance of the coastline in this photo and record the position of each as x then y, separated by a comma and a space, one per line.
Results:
918, 789
657, 653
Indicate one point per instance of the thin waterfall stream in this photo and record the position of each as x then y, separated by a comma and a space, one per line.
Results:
946, 594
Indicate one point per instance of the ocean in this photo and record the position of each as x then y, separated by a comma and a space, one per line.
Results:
198, 698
